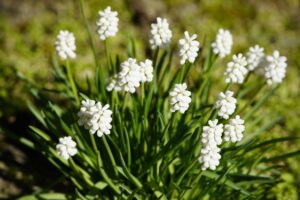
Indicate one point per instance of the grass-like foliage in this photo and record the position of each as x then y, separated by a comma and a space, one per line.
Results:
150, 142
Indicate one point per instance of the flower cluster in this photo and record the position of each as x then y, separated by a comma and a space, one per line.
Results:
107, 23
275, 68
66, 147
160, 35
189, 48
212, 134
223, 43
234, 130
236, 69
146, 70
211, 138
65, 45
226, 104
131, 75
180, 98
95, 117
255, 56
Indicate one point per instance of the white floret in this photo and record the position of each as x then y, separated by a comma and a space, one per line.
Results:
211, 138
160, 35
107, 23
234, 130
189, 48
95, 117
212, 134
146, 71
223, 43
255, 56
65, 45
130, 75
66, 147
275, 68
210, 157
226, 104
180, 98
236, 69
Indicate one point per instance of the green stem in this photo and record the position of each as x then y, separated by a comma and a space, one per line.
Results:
242, 86
213, 115
260, 87
155, 55
94, 143
72, 83
105, 176
165, 133
227, 87
100, 77
142, 94
186, 171
110, 155
190, 191
182, 73
128, 148
155, 75
82, 174
106, 55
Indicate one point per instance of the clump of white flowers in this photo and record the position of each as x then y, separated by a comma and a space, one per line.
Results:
95, 117
210, 157
180, 98
212, 134
160, 35
234, 130
107, 23
236, 69
226, 104
211, 138
146, 71
275, 68
66, 147
65, 45
131, 75
189, 48
255, 56
223, 43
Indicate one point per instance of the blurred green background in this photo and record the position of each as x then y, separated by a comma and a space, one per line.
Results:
28, 29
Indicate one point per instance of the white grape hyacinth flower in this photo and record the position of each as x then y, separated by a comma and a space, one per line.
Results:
226, 104
65, 45
236, 69
211, 138
180, 98
146, 70
160, 35
255, 56
66, 147
113, 84
275, 68
130, 75
212, 134
189, 48
210, 157
234, 130
107, 23
95, 117
223, 43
